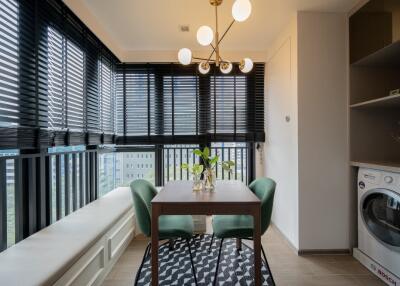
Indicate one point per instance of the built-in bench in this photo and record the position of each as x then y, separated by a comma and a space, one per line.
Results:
79, 249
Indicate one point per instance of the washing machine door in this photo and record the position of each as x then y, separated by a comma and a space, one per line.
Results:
380, 210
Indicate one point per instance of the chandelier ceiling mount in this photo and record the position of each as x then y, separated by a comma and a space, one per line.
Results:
241, 11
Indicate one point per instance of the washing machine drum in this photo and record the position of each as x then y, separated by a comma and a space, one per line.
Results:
380, 210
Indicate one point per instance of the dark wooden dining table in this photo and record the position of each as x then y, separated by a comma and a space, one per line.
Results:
228, 198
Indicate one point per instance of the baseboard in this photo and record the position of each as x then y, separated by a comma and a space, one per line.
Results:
287, 241
303, 252
323, 252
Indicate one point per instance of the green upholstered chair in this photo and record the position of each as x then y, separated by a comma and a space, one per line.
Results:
241, 226
170, 226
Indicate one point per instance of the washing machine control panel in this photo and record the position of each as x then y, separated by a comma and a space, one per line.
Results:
388, 179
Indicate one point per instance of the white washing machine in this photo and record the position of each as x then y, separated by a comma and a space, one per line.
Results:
379, 223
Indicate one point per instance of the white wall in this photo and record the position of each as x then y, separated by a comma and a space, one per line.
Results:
323, 152
308, 156
281, 147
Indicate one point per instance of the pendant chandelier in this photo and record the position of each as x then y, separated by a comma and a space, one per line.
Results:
241, 11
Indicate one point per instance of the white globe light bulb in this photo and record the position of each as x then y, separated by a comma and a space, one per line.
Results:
204, 68
246, 65
226, 67
241, 10
185, 56
205, 35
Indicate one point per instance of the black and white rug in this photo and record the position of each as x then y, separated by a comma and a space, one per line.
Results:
235, 268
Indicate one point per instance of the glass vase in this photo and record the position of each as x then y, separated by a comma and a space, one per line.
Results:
209, 179
197, 183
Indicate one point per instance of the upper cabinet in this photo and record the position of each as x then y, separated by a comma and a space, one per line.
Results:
375, 33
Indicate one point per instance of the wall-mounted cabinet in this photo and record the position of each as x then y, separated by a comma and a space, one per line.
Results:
374, 73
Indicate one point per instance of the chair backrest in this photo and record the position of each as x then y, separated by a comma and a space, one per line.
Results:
264, 189
143, 192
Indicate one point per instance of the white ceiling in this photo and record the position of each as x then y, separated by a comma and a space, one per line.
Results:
153, 25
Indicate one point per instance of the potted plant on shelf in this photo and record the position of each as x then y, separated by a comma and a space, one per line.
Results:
209, 167
196, 170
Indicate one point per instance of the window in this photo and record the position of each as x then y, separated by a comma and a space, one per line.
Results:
107, 96
65, 81
107, 172
7, 165
129, 159
168, 103
228, 104
9, 63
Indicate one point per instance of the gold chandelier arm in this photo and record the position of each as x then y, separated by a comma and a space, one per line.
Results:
213, 51
201, 59
219, 41
226, 31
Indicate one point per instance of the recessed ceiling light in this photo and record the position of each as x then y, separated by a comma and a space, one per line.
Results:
184, 28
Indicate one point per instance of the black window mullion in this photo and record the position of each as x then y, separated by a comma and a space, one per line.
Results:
21, 199
87, 178
67, 187
32, 193
49, 188
3, 205
41, 190
81, 180
58, 188
74, 183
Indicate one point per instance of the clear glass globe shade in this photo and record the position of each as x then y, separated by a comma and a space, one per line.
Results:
226, 67
241, 10
246, 65
185, 56
204, 68
205, 35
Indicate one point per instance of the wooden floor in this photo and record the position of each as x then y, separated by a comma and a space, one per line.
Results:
286, 266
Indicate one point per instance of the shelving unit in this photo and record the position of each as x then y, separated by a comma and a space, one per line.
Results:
374, 73
385, 57
391, 101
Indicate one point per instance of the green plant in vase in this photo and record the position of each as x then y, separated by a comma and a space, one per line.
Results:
196, 170
210, 162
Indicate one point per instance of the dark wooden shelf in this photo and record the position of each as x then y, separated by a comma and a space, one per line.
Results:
388, 56
391, 101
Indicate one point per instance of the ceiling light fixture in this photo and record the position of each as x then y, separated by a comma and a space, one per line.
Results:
241, 11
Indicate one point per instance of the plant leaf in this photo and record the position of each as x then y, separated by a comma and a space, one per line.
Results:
184, 166
206, 152
198, 152
214, 160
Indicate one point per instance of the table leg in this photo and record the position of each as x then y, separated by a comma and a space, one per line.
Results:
257, 247
154, 244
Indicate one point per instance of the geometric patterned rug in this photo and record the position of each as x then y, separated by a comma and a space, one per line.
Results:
235, 268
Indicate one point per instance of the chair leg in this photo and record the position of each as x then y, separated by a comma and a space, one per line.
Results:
219, 257
191, 261
146, 252
266, 264
211, 243
238, 244
171, 244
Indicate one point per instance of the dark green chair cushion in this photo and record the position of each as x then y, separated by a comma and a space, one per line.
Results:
174, 226
241, 226
169, 226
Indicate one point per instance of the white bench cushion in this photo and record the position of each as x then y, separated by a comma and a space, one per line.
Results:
44, 257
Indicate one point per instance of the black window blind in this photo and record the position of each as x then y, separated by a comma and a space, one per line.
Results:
59, 85
168, 103
57, 80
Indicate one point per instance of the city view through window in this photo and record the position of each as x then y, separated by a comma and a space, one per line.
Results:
116, 169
